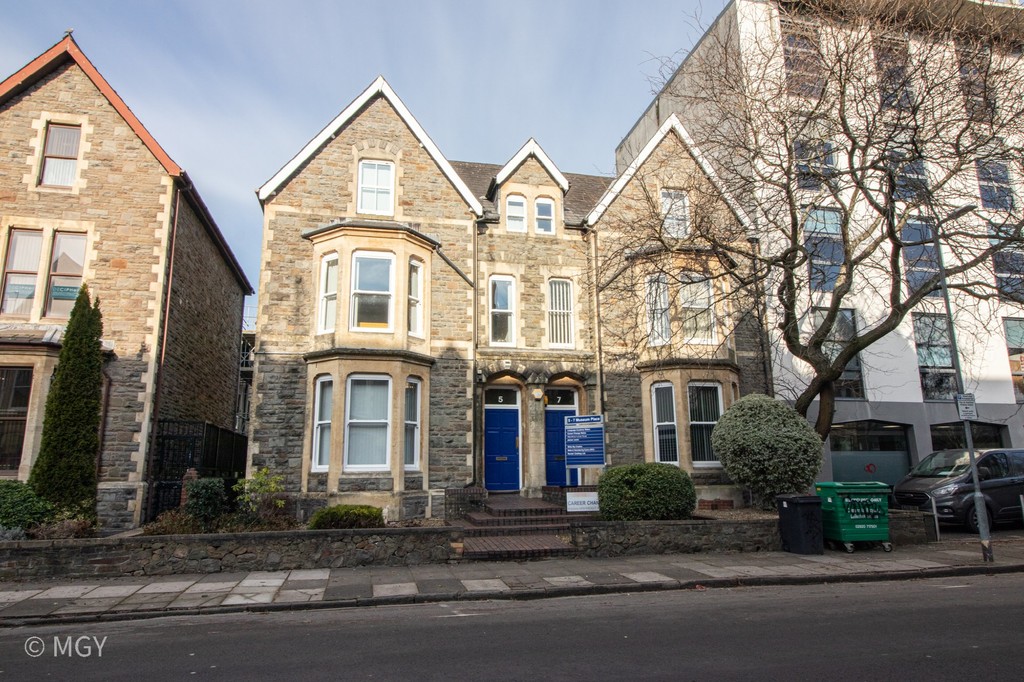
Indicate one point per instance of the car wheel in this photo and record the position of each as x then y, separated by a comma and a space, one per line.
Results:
972, 520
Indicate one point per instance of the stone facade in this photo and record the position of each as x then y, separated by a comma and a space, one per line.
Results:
144, 231
690, 355
487, 329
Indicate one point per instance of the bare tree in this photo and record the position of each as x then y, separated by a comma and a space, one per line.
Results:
851, 134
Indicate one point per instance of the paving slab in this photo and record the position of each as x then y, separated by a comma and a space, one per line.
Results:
395, 589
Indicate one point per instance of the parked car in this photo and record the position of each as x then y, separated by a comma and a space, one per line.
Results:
945, 476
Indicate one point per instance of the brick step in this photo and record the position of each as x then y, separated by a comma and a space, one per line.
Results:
530, 529
485, 519
528, 508
515, 547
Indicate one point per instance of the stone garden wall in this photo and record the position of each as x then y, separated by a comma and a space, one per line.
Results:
287, 550
271, 551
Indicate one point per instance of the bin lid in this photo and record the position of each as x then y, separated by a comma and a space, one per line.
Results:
851, 487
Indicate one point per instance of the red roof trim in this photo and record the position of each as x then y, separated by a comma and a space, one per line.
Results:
53, 57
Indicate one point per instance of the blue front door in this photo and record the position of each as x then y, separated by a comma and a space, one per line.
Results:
560, 403
501, 440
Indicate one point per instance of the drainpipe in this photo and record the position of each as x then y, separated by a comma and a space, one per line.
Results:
475, 422
155, 417
599, 348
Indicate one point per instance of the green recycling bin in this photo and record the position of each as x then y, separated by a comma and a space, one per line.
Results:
855, 512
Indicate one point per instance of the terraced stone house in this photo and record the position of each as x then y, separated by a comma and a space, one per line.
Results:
427, 324
88, 196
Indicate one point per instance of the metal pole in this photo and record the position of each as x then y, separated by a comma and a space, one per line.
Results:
980, 508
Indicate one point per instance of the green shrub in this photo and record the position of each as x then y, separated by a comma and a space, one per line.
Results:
20, 507
260, 498
765, 445
646, 492
347, 516
206, 500
173, 522
64, 472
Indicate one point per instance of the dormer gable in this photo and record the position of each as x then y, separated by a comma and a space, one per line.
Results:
530, 149
379, 88
672, 126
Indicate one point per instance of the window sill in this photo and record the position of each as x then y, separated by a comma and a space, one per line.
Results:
707, 465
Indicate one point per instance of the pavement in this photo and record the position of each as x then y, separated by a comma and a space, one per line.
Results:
88, 599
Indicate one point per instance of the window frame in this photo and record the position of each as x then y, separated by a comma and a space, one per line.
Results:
802, 59
561, 318
520, 216
320, 461
1012, 352
414, 310
8, 271
44, 274
417, 386
690, 312
328, 324
510, 312
659, 318
658, 426
354, 324
703, 463
851, 381
675, 212
349, 402
11, 414
892, 61
46, 155
815, 163
918, 253
929, 390
820, 269
361, 185
995, 185
537, 218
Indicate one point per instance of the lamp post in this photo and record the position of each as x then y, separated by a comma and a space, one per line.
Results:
980, 509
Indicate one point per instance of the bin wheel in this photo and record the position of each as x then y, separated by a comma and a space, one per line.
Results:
887, 546
849, 547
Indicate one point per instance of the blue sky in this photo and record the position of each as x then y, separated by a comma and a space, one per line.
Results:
232, 89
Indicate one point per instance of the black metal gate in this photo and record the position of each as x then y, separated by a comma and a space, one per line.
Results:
183, 445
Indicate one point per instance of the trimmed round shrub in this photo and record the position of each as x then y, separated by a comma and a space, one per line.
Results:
206, 499
646, 492
766, 446
347, 516
20, 507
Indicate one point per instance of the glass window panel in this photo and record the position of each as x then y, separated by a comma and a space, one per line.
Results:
664, 406
368, 444
373, 274
368, 399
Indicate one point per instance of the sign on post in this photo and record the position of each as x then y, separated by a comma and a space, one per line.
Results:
966, 407
584, 448
584, 441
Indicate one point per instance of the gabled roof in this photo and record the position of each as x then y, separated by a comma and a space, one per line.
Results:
67, 50
584, 190
672, 124
531, 148
378, 87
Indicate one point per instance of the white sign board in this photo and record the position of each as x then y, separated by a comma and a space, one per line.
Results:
966, 407
581, 502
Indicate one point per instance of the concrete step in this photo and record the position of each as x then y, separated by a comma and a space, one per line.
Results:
515, 547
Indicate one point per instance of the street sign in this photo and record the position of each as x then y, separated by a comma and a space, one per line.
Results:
584, 441
966, 407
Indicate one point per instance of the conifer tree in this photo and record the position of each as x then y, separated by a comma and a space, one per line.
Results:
65, 473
